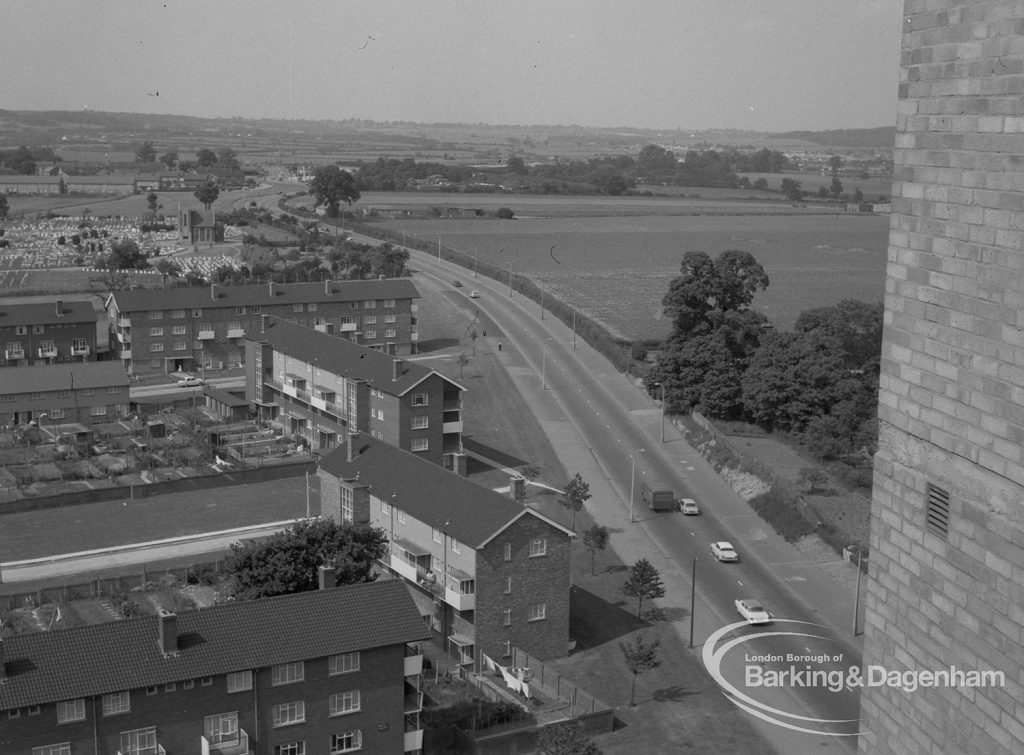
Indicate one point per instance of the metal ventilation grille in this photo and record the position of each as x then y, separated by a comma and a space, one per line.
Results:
938, 510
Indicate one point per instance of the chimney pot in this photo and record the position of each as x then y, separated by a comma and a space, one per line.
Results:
60, 308
326, 577
168, 632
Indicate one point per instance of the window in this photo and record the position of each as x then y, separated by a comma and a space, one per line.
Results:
401, 516
88, 391
156, 347
117, 702
222, 728
7, 397
347, 514
420, 399
151, 690
177, 314
14, 713
63, 394
346, 742
508, 585
156, 315
255, 309
139, 742
37, 396
113, 389
288, 713
385, 509
33, 710
355, 305
369, 305
179, 330
188, 684
506, 617
296, 307
38, 329
240, 310
507, 649
370, 320
239, 681
97, 411
71, 710
21, 330
437, 534
207, 681
63, 748
456, 546
508, 551
344, 663
937, 514
291, 748
420, 444
180, 345
537, 611
390, 333
56, 414
538, 546
48, 347
371, 334
311, 307
390, 319
170, 687
287, 673
197, 313
344, 702
389, 304
13, 349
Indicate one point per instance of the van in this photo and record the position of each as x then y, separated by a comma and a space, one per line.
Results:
657, 496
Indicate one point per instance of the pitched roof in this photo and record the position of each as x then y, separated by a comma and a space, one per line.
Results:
343, 357
45, 314
66, 664
63, 376
143, 300
470, 513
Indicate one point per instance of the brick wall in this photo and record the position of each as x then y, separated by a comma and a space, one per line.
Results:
951, 401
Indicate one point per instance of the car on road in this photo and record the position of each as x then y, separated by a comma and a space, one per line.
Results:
724, 551
474, 294
753, 611
457, 284
689, 506
190, 381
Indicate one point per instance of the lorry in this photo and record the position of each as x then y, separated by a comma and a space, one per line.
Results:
657, 496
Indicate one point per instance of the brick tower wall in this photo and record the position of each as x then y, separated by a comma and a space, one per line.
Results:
946, 578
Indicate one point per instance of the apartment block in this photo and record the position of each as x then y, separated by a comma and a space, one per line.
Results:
64, 393
161, 331
945, 585
34, 334
487, 572
331, 671
320, 386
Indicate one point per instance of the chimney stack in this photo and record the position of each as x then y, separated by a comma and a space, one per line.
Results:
213, 291
327, 286
3, 671
352, 447
168, 632
326, 577
270, 288
263, 323
396, 369
60, 308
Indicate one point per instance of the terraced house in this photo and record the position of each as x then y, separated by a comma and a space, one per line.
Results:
161, 331
52, 395
31, 334
320, 386
331, 671
489, 573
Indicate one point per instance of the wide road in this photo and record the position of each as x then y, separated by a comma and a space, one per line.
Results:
613, 419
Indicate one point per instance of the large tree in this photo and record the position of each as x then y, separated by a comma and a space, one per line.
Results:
331, 186
226, 158
3, 207
125, 255
23, 161
726, 283
207, 194
643, 581
576, 493
169, 159
595, 539
145, 152
288, 561
206, 158
640, 656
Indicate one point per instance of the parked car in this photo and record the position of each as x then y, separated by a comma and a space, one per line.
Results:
753, 611
474, 294
190, 381
689, 506
724, 551
457, 284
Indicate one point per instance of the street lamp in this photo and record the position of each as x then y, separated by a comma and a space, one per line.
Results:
662, 409
632, 480
474, 265
510, 277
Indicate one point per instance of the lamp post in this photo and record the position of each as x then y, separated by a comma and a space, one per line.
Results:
510, 277
632, 480
474, 265
662, 409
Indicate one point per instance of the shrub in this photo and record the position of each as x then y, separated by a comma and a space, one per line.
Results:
505, 213
778, 507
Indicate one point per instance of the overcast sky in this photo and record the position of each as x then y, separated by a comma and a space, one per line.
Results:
765, 65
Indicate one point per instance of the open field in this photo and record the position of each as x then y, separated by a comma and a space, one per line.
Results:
617, 266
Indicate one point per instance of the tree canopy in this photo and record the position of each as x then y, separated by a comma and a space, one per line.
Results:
639, 656
727, 283
331, 186
576, 493
206, 158
207, 194
643, 581
288, 562
145, 152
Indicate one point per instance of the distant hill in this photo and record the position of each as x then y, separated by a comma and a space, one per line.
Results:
883, 137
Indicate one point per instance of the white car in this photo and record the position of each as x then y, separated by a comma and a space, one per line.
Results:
190, 381
689, 507
753, 611
724, 551
474, 294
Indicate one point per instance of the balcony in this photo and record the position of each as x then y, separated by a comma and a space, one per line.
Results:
413, 665
126, 353
410, 571
157, 750
124, 337
237, 745
124, 322
320, 328
414, 307
48, 352
413, 702
347, 327
205, 335
236, 332
14, 353
458, 600
79, 351
413, 740
451, 427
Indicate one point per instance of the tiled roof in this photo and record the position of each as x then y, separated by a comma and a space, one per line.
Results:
45, 667
435, 496
340, 356
143, 300
58, 377
45, 314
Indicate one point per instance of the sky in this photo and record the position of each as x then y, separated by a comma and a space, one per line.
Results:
761, 65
